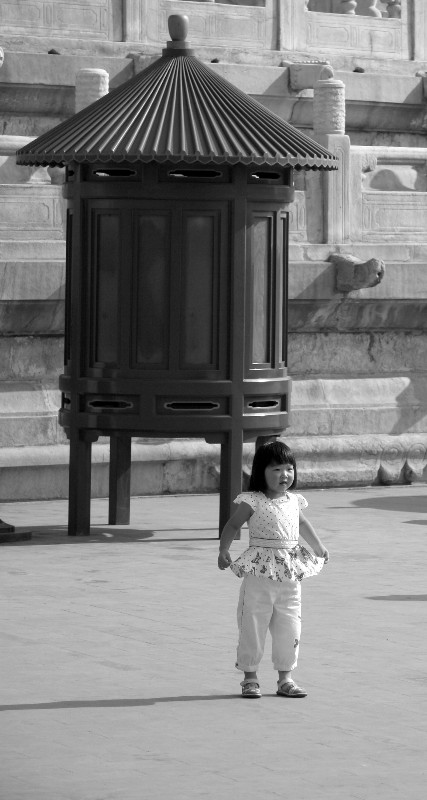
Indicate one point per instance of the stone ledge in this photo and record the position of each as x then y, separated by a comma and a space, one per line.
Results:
327, 354
32, 249
348, 314
32, 317
43, 69
396, 252
192, 466
32, 280
316, 280
360, 460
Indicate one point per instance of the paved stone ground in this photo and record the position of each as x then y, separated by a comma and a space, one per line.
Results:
118, 680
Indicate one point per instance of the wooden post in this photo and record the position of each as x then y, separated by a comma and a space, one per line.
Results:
120, 470
231, 475
79, 483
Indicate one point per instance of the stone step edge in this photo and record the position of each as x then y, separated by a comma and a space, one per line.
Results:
192, 466
304, 252
396, 252
32, 249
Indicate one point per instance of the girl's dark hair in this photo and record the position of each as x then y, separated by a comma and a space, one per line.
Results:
270, 453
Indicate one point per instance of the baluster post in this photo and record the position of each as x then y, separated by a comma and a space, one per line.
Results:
91, 84
329, 130
348, 6
394, 9
368, 8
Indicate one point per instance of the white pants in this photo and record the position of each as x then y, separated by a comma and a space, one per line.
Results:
265, 604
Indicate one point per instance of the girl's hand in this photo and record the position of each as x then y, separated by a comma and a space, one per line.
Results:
224, 559
324, 554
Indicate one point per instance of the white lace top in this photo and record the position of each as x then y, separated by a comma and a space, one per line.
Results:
276, 520
274, 551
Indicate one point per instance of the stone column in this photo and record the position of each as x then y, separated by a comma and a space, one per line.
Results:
291, 24
418, 29
132, 20
329, 131
91, 84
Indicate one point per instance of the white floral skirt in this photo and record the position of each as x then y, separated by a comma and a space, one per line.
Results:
279, 565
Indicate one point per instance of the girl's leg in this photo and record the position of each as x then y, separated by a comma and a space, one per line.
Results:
254, 613
285, 628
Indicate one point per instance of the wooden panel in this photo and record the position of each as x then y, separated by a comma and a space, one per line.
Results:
283, 312
152, 290
68, 270
200, 268
106, 287
261, 232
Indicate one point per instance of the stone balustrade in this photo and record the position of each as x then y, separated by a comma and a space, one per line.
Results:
388, 187
368, 8
382, 196
372, 28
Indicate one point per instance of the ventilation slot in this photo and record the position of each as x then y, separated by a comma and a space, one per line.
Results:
114, 173
191, 405
264, 404
110, 405
194, 173
266, 176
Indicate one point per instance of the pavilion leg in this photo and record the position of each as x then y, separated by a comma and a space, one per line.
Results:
79, 484
231, 475
120, 469
264, 439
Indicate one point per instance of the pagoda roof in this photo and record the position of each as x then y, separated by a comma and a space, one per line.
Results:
177, 110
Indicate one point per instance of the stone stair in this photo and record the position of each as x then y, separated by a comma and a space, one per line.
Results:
357, 360
32, 277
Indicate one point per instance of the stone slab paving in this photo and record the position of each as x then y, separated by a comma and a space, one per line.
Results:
117, 658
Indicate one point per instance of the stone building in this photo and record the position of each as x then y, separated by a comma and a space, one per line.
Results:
350, 73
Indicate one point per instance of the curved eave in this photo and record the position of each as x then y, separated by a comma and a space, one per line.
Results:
65, 159
177, 110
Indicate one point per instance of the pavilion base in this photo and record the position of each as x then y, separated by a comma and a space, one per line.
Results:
80, 472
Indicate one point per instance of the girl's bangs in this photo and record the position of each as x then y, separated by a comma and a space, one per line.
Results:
280, 454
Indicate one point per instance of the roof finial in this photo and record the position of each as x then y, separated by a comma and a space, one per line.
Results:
178, 29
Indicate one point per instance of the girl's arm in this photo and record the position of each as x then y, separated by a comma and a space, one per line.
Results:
310, 536
240, 516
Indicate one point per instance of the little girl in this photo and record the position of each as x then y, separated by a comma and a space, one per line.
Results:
272, 567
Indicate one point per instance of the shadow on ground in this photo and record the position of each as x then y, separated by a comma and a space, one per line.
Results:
116, 703
399, 597
417, 504
58, 534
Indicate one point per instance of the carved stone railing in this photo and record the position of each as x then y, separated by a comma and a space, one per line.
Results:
61, 18
367, 28
391, 9
388, 187
243, 26
380, 29
379, 194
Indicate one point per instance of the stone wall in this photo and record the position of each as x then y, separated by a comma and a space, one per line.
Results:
356, 351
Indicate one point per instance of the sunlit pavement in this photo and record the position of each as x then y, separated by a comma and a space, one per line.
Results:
117, 651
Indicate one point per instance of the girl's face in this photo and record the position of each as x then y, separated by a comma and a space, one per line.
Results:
278, 478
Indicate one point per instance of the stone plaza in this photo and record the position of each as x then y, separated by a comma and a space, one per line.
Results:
118, 676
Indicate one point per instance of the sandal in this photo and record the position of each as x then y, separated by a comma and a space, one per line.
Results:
290, 689
250, 688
